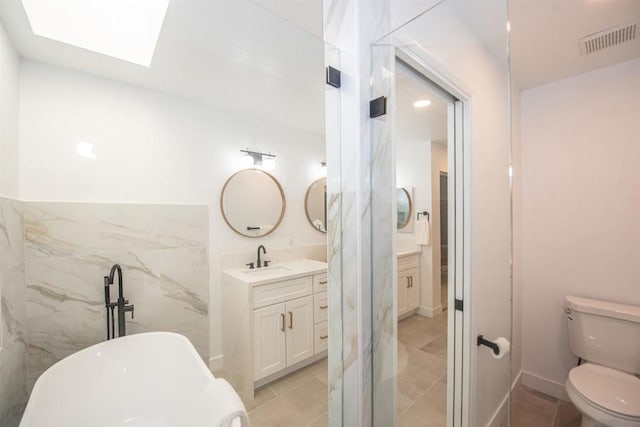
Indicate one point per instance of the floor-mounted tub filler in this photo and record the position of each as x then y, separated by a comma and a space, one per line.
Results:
151, 379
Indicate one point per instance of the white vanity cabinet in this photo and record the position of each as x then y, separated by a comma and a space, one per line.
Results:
282, 335
408, 286
274, 321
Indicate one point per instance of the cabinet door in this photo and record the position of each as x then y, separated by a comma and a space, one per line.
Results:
403, 286
269, 326
299, 329
413, 291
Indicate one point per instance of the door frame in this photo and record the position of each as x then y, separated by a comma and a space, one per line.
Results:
459, 339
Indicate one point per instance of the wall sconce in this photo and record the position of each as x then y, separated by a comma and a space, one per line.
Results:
323, 169
254, 158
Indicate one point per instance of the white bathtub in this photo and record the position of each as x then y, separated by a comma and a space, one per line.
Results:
154, 379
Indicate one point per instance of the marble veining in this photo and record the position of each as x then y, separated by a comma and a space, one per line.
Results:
365, 166
12, 307
163, 251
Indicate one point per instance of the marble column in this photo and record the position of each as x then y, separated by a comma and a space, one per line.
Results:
13, 312
357, 194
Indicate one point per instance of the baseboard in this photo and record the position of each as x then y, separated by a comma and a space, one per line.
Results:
216, 363
502, 412
544, 385
430, 311
516, 381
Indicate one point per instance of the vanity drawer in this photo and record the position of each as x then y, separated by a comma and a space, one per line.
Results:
321, 334
320, 307
286, 290
409, 261
320, 283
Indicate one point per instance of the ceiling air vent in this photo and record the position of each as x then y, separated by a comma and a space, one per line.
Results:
607, 38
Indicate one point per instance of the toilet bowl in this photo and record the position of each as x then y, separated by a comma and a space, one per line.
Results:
605, 396
605, 335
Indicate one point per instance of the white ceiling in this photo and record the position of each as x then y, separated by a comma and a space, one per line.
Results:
235, 55
414, 125
265, 57
545, 34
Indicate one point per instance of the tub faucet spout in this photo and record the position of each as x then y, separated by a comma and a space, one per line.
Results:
122, 304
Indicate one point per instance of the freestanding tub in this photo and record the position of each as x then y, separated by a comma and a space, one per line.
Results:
152, 379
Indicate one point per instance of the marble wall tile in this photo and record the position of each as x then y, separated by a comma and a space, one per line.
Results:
363, 166
384, 261
12, 309
162, 250
74, 229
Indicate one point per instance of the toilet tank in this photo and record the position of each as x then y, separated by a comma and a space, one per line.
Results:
604, 333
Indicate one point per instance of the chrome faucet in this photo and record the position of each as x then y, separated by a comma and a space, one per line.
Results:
259, 263
121, 303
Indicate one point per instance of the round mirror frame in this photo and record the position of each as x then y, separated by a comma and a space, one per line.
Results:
306, 204
401, 226
282, 211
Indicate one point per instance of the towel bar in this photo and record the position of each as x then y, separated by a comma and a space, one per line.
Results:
425, 213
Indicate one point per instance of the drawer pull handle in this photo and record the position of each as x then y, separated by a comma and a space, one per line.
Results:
323, 282
324, 337
290, 320
323, 307
282, 322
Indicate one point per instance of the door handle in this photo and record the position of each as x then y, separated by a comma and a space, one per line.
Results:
323, 282
324, 337
323, 307
408, 285
282, 322
290, 320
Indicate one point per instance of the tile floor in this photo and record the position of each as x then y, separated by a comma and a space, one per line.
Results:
530, 408
300, 399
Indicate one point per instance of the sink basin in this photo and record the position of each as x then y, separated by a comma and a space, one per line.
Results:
264, 271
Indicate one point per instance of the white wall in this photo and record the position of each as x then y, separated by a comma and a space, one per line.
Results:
155, 148
413, 169
580, 207
9, 63
418, 165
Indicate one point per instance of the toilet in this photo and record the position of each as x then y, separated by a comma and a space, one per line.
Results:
605, 387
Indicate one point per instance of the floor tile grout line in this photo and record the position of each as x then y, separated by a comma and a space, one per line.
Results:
425, 392
555, 414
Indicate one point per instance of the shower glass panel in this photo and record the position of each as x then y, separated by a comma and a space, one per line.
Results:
458, 50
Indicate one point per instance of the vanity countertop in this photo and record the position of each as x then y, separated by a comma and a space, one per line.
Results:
406, 252
278, 271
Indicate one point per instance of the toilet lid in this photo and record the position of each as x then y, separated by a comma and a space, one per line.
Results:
611, 389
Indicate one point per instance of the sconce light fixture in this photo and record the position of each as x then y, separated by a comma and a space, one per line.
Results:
255, 158
323, 168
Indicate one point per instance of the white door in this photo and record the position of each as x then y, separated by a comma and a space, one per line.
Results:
403, 286
413, 289
269, 325
299, 329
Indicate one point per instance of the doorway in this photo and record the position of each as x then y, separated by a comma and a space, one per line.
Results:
421, 138
459, 49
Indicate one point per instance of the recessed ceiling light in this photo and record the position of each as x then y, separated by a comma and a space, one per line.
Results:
85, 149
422, 103
123, 29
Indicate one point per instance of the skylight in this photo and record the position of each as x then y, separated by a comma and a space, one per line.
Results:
123, 29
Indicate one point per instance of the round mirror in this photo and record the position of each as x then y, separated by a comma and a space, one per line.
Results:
404, 207
252, 203
315, 204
